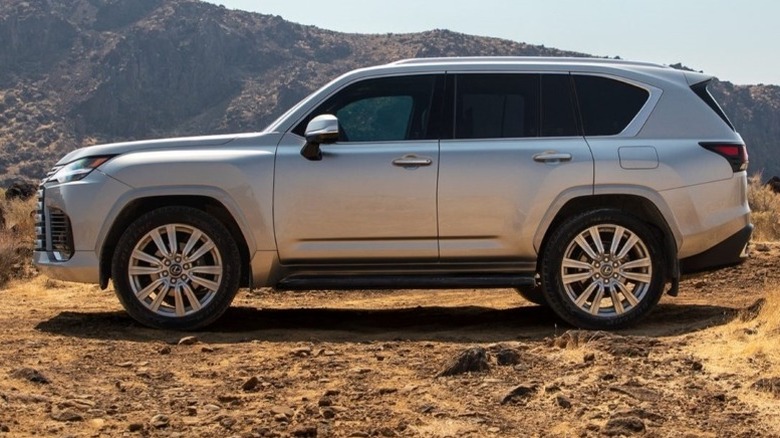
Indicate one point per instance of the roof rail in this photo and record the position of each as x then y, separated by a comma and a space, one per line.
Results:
522, 59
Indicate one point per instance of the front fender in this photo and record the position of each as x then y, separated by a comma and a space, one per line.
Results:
239, 179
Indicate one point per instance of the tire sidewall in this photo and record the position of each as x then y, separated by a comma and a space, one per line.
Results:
552, 259
204, 223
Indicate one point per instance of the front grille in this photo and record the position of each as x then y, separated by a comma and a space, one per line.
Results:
61, 234
53, 232
40, 222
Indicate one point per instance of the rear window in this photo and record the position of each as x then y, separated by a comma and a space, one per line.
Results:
607, 105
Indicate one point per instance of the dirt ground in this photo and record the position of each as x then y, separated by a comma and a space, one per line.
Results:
365, 364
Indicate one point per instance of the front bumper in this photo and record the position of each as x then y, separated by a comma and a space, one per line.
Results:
71, 226
82, 267
729, 252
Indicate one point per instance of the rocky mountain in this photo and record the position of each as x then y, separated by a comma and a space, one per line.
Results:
77, 72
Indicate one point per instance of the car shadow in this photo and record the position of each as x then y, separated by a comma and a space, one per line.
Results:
467, 324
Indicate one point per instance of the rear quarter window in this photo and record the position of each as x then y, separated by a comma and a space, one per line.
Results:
607, 105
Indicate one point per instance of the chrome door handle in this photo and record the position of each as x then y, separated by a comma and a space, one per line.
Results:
412, 161
551, 156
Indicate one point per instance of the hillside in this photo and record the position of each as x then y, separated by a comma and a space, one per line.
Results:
77, 72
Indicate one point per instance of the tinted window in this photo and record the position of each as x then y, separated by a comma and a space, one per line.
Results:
558, 115
607, 106
385, 109
496, 106
377, 118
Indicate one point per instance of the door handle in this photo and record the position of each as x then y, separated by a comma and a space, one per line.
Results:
412, 161
551, 157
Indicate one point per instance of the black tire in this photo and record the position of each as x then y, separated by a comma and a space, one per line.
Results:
190, 285
639, 272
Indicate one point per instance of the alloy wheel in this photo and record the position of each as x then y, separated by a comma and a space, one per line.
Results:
175, 270
606, 270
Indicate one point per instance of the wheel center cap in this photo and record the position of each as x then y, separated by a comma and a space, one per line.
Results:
176, 270
606, 270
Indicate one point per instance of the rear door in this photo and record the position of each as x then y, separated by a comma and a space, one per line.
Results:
514, 146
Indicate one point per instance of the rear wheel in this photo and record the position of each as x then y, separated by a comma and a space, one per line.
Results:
176, 268
603, 269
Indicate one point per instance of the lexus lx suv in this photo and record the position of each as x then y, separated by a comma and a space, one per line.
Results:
588, 185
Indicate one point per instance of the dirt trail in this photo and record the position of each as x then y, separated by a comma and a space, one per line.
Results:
365, 363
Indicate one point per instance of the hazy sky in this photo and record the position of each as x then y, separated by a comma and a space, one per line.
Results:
734, 40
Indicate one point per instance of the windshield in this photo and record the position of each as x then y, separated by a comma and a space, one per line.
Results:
275, 125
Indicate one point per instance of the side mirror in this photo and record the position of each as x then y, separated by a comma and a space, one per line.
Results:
322, 129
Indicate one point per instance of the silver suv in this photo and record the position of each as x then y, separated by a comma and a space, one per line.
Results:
589, 185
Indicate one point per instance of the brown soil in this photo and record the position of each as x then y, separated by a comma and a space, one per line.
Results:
365, 363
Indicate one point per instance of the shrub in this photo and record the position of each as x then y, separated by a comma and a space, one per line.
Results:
10, 260
765, 206
16, 238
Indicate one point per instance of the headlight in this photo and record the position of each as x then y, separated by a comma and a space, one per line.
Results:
77, 170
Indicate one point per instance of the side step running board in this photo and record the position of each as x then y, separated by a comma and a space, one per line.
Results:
404, 282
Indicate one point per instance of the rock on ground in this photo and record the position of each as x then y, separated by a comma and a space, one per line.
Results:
474, 359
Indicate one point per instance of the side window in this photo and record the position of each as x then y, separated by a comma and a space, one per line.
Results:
377, 118
558, 115
382, 109
607, 106
496, 105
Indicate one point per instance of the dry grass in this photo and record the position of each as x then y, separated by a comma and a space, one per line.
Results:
16, 238
750, 345
765, 206
746, 351
8, 257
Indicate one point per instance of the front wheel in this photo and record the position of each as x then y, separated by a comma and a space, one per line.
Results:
603, 269
176, 268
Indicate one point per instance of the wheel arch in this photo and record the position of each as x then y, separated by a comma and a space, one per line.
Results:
139, 206
639, 206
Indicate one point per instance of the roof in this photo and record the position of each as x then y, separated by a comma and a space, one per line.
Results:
524, 60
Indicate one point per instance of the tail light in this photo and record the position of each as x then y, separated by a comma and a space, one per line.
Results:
735, 153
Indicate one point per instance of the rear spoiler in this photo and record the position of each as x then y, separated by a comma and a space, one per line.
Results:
694, 78
698, 83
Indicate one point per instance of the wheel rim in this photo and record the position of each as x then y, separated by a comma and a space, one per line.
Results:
606, 270
175, 270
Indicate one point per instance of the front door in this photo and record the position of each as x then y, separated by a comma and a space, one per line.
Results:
372, 196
